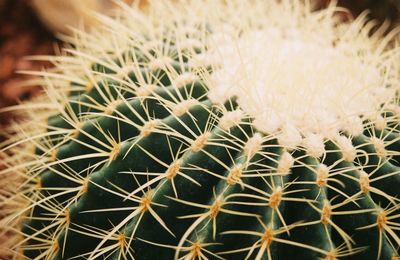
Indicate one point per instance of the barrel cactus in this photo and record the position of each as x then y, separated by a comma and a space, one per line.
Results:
210, 130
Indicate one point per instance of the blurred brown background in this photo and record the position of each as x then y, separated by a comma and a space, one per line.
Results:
22, 34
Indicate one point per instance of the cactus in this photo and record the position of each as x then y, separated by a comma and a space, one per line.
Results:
210, 130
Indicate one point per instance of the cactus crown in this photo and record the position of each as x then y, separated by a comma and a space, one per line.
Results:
211, 129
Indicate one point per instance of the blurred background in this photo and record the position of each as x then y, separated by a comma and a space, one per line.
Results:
28, 27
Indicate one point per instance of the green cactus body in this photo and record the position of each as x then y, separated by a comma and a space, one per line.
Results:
154, 152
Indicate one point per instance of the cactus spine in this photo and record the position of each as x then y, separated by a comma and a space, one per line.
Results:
211, 130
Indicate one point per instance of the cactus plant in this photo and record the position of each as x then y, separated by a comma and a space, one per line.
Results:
211, 130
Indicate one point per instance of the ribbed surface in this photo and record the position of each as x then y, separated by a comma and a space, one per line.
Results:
124, 188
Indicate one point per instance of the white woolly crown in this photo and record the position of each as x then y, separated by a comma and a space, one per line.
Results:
300, 72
